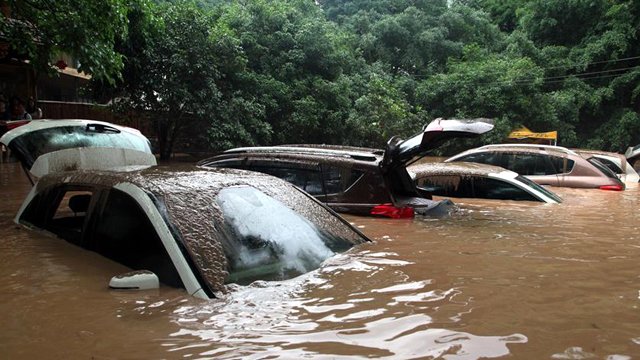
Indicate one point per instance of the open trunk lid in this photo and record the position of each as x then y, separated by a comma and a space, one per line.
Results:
47, 146
400, 153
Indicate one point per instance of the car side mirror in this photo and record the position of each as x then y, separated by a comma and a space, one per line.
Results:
135, 280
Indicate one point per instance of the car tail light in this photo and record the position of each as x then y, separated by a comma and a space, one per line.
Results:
393, 212
612, 187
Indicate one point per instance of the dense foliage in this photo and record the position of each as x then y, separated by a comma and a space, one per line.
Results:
39, 30
356, 72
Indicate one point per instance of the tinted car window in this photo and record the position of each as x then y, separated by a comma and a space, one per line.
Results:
523, 163
119, 231
611, 165
339, 179
306, 177
60, 210
538, 187
124, 233
309, 180
265, 239
474, 187
491, 158
604, 169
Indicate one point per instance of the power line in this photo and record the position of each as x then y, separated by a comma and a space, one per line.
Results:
563, 66
556, 79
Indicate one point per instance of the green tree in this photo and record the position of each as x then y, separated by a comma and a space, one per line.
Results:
41, 30
176, 74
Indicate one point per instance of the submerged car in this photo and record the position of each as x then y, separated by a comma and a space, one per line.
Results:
473, 180
188, 227
45, 146
615, 162
633, 156
357, 180
545, 165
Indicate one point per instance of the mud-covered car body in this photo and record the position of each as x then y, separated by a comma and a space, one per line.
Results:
545, 165
356, 180
474, 180
187, 227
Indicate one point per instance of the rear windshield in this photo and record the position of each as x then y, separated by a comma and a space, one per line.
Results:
539, 187
604, 169
611, 165
32, 145
264, 239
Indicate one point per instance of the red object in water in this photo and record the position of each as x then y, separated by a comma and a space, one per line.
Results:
14, 124
393, 212
612, 187
61, 64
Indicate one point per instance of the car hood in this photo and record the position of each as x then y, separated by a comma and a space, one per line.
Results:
49, 146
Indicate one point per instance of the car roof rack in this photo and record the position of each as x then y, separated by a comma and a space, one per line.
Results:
308, 150
532, 146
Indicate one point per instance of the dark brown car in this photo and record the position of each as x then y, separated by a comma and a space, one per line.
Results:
356, 180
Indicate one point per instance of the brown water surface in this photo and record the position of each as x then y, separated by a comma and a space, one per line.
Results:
496, 279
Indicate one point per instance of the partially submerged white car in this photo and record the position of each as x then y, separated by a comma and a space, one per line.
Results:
474, 180
187, 227
615, 162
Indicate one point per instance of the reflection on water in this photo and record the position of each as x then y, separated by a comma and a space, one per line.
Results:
496, 279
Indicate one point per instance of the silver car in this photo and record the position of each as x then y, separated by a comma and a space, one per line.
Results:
546, 165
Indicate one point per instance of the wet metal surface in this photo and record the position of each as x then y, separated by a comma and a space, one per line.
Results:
497, 279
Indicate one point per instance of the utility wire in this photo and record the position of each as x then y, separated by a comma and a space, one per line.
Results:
563, 66
556, 79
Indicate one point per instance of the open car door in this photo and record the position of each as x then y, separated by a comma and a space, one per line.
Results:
48, 146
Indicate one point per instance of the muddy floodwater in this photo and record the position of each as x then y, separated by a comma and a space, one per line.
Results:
497, 279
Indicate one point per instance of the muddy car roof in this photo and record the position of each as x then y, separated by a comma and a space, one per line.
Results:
456, 168
527, 147
47, 123
355, 153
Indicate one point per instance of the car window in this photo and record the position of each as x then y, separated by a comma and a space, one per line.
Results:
307, 179
611, 165
528, 164
489, 188
473, 187
119, 231
339, 179
536, 164
603, 168
538, 187
491, 158
267, 240
124, 233
561, 165
61, 211
306, 176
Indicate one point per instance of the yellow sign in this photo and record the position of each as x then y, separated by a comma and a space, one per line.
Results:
524, 133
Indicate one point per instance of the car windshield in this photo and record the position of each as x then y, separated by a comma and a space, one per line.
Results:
36, 143
267, 240
539, 187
